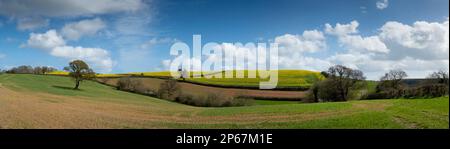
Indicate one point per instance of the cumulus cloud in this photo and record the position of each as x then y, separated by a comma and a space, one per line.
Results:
47, 40
342, 29
293, 48
291, 53
73, 31
99, 58
382, 4
309, 41
419, 48
31, 23
55, 45
347, 35
422, 40
67, 8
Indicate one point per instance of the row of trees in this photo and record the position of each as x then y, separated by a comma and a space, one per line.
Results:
342, 83
392, 85
30, 70
78, 70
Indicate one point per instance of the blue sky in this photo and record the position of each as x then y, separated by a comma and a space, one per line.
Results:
135, 35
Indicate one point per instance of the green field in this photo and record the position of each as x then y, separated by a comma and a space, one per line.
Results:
286, 78
38, 101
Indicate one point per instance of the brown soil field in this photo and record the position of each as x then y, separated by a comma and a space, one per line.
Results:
43, 110
201, 90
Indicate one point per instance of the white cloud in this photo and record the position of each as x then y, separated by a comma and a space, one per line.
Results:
418, 49
67, 8
342, 29
309, 41
347, 35
292, 50
46, 41
98, 57
382, 4
374, 68
31, 23
55, 45
73, 31
422, 40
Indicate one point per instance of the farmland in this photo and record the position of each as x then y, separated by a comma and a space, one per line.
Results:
153, 84
287, 79
39, 101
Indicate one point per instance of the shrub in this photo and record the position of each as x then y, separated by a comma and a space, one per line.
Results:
428, 90
169, 89
213, 100
129, 84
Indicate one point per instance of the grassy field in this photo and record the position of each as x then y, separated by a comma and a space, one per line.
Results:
287, 78
37, 101
153, 84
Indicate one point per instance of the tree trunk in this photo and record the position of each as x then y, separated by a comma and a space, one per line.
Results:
77, 83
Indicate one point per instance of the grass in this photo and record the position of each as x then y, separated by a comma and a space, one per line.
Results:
272, 102
37, 101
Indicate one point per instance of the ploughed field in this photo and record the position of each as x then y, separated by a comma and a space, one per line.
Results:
39, 101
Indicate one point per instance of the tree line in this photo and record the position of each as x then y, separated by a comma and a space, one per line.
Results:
26, 69
342, 83
78, 70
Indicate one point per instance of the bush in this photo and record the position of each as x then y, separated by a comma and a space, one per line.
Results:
428, 90
423, 91
212, 100
169, 89
436, 85
129, 84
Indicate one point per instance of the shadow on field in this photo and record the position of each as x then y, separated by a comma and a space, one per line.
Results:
65, 87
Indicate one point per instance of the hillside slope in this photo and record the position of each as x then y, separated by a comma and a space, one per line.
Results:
36, 101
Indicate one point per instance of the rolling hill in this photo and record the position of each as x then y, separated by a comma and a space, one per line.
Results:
287, 79
39, 101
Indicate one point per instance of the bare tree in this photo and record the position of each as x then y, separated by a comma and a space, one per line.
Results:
344, 79
439, 77
392, 79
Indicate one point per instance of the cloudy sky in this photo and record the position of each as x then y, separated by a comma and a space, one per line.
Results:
116, 36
